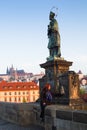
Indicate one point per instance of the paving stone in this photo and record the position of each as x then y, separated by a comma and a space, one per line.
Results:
9, 126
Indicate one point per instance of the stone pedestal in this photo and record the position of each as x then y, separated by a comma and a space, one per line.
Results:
64, 83
53, 69
69, 84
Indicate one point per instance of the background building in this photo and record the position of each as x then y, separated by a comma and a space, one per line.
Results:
15, 75
19, 91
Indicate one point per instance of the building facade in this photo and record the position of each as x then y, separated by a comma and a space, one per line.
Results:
19, 92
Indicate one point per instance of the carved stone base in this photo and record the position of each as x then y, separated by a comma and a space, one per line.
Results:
64, 83
54, 68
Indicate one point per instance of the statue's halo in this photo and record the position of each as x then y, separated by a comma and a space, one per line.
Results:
54, 10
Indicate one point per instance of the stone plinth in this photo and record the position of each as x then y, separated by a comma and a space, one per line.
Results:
54, 68
69, 82
64, 83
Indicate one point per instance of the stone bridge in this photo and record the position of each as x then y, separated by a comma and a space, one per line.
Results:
27, 117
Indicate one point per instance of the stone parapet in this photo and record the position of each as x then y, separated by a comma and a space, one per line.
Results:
60, 117
18, 113
57, 117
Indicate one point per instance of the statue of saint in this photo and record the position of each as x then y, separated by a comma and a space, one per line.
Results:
54, 36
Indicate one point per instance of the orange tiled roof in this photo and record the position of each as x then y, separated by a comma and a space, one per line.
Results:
5, 86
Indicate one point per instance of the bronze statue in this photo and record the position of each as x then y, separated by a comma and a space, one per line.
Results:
54, 36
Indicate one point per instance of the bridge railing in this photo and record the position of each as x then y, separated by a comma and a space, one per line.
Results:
57, 117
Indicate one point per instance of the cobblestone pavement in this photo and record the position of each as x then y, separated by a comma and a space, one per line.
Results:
4, 125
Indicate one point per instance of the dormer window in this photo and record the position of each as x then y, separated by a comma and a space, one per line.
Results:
18, 87
4, 87
24, 86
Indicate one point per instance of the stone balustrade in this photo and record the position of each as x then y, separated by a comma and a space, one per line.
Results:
18, 113
63, 118
57, 117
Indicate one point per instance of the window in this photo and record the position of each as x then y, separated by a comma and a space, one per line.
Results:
10, 99
15, 93
24, 86
18, 86
5, 99
33, 98
27, 99
9, 93
33, 92
4, 87
19, 99
34, 86
31, 86
27, 92
19, 93
23, 92
15, 99
5, 93
10, 87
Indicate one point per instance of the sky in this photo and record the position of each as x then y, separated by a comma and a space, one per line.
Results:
23, 33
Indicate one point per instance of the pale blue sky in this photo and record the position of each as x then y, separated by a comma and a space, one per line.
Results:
23, 33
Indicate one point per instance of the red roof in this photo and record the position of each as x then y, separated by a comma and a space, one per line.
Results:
5, 86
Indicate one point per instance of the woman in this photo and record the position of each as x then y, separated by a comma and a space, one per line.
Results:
45, 99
